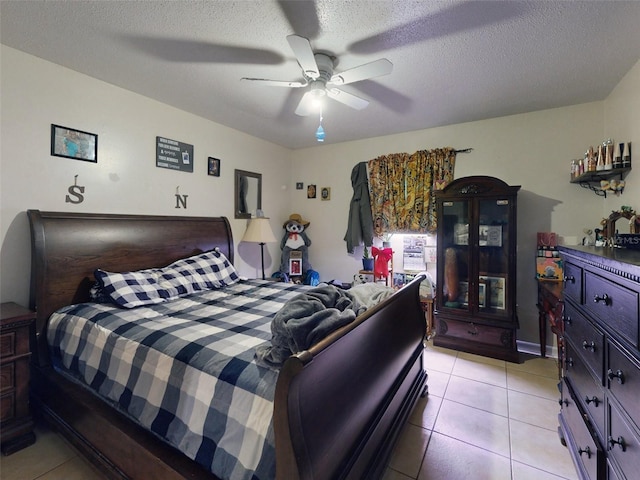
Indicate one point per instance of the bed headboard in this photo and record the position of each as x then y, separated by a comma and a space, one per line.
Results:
66, 248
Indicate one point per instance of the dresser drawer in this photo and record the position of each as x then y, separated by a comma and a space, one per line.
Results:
585, 337
586, 454
623, 444
573, 282
613, 304
586, 388
623, 379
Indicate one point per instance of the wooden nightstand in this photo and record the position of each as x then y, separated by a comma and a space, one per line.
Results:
16, 427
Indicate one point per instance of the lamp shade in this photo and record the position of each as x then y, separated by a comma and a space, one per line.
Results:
259, 231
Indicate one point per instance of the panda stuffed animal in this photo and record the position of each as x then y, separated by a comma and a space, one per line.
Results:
295, 239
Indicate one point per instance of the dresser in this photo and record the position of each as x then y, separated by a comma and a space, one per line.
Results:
600, 405
16, 427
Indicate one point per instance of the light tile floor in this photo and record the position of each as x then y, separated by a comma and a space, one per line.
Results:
483, 419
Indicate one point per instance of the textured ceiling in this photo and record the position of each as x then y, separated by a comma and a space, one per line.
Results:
454, 61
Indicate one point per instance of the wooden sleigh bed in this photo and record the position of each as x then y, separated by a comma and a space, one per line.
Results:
338, 407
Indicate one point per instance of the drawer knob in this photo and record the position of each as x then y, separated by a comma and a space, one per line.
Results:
565, 401
606, 299
589, 345
566, 319
586, 450
593, 399
568, 363
617, 374
569, 279
620, 441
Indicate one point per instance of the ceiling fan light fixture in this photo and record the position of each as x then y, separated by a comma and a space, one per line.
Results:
318, 89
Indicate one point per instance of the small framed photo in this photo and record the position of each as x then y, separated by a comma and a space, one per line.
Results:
494, 296
213, 167
70, 143
311, 191
325, 193
299, 185
295, 266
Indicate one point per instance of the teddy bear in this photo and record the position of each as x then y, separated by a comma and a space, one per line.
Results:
294, 245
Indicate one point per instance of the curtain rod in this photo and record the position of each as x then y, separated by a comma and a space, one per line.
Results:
465, 150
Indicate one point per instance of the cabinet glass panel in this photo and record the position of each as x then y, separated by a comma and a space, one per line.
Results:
455, 250
493, 258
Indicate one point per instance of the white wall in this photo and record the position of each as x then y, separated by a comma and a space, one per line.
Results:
622, 124
36, 94
532, 150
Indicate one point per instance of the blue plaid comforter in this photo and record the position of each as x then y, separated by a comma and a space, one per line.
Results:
185, 370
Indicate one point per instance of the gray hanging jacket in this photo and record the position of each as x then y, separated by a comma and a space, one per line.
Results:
360, 226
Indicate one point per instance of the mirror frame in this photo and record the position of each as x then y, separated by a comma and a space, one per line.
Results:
236, 206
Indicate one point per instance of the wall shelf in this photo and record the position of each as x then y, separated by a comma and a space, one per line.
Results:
591, 180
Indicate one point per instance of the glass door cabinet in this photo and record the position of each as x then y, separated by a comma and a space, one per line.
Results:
476, 280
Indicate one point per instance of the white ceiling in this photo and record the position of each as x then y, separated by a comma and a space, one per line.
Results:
454, 61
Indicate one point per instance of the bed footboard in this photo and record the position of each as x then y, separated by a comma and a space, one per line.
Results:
340, 406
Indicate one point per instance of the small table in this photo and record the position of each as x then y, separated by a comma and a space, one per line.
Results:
17, 423
550, 309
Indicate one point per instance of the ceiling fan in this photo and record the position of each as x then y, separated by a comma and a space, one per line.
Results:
318, 75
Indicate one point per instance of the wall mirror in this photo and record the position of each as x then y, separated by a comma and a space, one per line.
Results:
248, 193
611, 227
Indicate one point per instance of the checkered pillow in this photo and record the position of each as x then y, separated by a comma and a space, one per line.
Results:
206, 271
133, 289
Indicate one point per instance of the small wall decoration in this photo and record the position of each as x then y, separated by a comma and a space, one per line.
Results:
213, 167
299, 186
181, 200
70, 143
311, 191
174, 155
325, 193
75, 192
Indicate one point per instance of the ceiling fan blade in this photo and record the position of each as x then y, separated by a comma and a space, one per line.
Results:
275, 83
307, 105
304, 54
347, 98
363, 72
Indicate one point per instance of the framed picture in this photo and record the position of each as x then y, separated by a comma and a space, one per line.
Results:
463, 293
295, 266
70, 143
461, 234
325, 193
494, 298
490, 235
213, 167
299, 186
311, 191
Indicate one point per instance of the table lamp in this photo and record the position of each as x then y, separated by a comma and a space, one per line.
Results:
259, 231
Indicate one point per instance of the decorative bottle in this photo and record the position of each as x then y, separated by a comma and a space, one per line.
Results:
600, 164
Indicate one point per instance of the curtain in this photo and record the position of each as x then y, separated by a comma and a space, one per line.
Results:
402, 187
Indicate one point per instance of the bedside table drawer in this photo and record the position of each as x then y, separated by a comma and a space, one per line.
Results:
7, 377
8, 344
7, 407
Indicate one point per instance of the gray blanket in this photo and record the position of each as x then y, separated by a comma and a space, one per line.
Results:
309, 317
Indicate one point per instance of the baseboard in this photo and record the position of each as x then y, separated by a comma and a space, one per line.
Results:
534, 349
